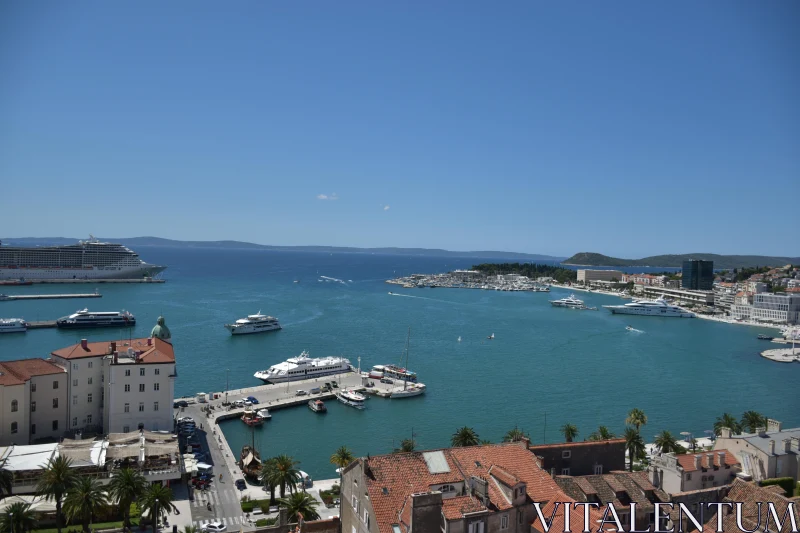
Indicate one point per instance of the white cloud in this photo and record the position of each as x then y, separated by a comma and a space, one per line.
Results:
333, 196
386, 208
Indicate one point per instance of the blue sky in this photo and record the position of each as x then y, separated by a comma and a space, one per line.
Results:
625, 128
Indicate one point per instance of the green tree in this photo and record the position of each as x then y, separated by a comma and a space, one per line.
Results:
727, 420
667, 443
268, 475
342, 457
57, 478
515, 435
602, 433
84, 499
17, 518
752, 420
286, 473
569, 431
464, 436
126, 487
300, 503
157, 502
636, 418
6, 481
635, 445
406, 445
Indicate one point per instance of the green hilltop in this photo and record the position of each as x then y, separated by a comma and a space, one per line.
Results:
676, 260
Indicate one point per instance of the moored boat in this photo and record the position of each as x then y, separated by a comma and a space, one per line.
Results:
264, 414
95, 319
659, 307
13, 325
351, 398
570, 301
304, 367
250, 462
318, 406
251, 418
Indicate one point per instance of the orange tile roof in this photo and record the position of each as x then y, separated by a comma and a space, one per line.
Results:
455, 508
504, 476
687, 460
575, 516
22, 370
159, 351
750, 495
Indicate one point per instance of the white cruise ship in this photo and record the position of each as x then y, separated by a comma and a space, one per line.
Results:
93, 319
90, 259
571, 301
257, 323
304, 367
658, 307
13, 325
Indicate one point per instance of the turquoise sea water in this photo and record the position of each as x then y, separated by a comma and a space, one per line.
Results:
581, 367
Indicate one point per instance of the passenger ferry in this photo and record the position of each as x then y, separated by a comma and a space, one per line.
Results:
92, 319
89, 259
304, 367
257, 323
394, 372
13, 325
659, 307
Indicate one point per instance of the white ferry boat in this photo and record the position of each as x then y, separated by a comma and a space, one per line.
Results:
351, 398
304, 367
90, 259
571, 301
257, 323
13, 325
658, 307
92, 319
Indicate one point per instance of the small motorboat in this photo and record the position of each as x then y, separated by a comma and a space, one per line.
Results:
459, 338
264, 414
490, 337
765, 338
629, 328
318, 406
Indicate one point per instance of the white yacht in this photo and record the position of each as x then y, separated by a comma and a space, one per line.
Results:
257, 323
658, 307
264, 414
94, 319
571, 301
304, 367
408, 391
13, 325
351, 398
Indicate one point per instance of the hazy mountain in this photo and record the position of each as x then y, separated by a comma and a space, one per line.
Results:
720, 261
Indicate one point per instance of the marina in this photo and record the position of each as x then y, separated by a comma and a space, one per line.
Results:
12, 297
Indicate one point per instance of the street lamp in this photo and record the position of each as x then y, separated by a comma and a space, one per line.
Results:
227, 371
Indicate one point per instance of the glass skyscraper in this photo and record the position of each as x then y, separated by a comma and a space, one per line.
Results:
698, 275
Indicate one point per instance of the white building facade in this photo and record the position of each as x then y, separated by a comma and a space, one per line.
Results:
32, 406
780, 308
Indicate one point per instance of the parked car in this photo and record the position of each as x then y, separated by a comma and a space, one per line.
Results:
180, 403
253, 400
240, 484
316, 390
238, 403
247, 403
185, 419
334, 385
213, 527
206, 476
386, 380
300, 393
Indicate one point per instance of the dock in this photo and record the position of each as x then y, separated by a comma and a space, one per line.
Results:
782, 355
41, 324
10, 297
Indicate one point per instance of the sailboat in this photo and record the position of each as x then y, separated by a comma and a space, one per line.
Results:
250, 460
415, 389
490, 337
459, 338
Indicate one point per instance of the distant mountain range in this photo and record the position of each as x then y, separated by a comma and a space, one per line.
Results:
720, 261
239, 245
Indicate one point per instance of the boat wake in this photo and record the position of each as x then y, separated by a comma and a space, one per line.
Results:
315, 316
634, 330
337, 280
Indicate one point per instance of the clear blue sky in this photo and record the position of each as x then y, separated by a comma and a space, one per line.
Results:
625, 128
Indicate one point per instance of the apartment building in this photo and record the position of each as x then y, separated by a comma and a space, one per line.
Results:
31, 396
581, 458
693, 471
769, 453
587, 276
782, 308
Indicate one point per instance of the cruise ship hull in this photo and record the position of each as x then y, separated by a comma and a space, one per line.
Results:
644, 311
141, 271
298, 377
248, 329
96, 324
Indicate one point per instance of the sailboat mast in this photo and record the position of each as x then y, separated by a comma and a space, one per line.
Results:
405, 376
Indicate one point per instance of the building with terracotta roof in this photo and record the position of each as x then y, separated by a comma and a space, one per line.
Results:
693, 471
755, 499
581, 458
769, 453
31, 396
478, 489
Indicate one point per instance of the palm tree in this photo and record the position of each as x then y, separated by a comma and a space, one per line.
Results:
6, 481
515, 435
157, 501
57, 478
84, 499
569, 431
464, 437
727, 420
753, 420
602, 433
635, 445
406, 446
126, 487
17, 518
285, 473
342, 458
267, 477
666, 443
636, 418
300, 503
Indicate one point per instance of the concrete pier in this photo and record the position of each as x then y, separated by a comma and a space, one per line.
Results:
42, 324
10, 297
782, 355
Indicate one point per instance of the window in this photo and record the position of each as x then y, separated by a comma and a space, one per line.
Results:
55, 403
355, 503
447, 488
504, 521
127, 371
155, 386
127, 387
74, 366
141, 387
33, 387
566, 454
33, 407
366, 518
89, 397
102, 378
13, 427
565, 471
74, 400
74, 421
127, 408
55, 425
75, 382
141, 407
520, 516
155, 406
475, 527
14, 406
90, 364
126, 429
33, 429
158, 371
90, 381
141, 371
55, 384
689, 476
598, 470
88, 419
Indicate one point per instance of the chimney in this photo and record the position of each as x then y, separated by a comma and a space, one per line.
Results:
426, 511
725, 433
480, 488
787, 445
116, 358
697, 461
552, 472
85, 344
762, 432
772, 447
796, 443
773, 425
149, 341
113, 346
721, 459
710, 460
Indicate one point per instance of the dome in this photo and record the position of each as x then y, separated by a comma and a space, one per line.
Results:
161, 331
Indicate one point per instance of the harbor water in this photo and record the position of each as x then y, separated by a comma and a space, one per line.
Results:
545, 366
